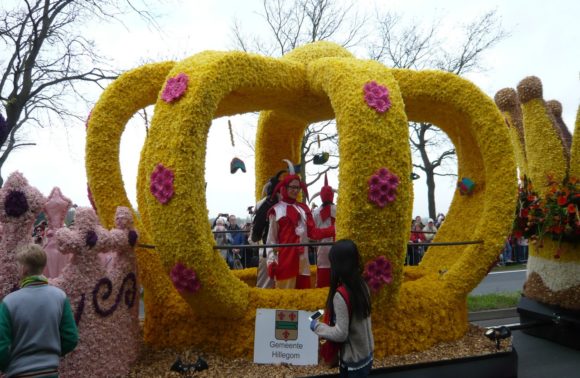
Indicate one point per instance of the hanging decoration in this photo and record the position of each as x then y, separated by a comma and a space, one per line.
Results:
236, 163
320, 158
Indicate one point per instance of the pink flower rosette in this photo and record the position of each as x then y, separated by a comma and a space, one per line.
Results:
377, 96
383, 187
162, 183
378, 272
175, 88
184, 279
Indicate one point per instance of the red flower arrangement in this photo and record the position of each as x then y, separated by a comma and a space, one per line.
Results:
556, 215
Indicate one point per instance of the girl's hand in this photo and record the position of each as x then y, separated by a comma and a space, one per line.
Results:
313, 324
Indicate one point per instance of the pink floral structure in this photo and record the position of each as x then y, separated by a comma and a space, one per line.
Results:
161, 185
378, 272
123, 274
83, 241
175, 87
20, 203
104, 303
184, 279
383, 187
377, 96
123, 239
55, 209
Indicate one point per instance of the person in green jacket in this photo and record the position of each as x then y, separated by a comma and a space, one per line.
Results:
37, 326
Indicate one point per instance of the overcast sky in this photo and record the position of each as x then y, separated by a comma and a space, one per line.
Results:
544, 42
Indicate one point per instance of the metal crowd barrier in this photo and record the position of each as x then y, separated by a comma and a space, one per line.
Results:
316, 244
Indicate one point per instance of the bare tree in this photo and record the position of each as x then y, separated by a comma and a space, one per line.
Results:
416, 48
294, 23
44, 61
317, 135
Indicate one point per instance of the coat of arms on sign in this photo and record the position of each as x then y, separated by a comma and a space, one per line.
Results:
286, 325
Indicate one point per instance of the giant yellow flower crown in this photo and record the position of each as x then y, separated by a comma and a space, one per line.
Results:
213, 308
547, 155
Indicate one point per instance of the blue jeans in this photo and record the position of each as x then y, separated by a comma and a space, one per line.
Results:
360, 373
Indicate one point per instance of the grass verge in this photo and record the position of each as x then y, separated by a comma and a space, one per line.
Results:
492, 301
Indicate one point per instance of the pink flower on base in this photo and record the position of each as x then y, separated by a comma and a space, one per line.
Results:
383, 187
378, 272
184, 279
175, 87
161, 185
377, 96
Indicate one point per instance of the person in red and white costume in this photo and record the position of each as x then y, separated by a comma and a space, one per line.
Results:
324, 216
291, 222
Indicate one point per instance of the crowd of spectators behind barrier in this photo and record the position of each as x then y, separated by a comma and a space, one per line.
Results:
421, 233
227, 231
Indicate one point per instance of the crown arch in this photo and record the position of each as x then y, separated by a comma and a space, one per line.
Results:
315, 82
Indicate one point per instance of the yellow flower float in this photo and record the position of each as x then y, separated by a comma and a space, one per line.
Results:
550, 159
191, 297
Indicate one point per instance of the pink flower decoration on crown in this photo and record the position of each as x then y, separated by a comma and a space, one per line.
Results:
378, 273
175, 87
383, 187
377, 96
184, 279
162, 184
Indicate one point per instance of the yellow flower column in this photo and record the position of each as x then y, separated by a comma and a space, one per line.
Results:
508, 102
553, 267
545, 152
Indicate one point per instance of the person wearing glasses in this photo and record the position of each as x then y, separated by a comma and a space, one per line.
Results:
291, 222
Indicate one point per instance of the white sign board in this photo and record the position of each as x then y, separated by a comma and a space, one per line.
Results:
284, 336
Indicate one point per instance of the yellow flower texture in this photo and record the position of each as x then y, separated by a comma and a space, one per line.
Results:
320, 81
545, 152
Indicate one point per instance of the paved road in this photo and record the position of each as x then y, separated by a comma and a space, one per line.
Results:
498, 282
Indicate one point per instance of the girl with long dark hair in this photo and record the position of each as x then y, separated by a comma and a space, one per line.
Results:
351, 325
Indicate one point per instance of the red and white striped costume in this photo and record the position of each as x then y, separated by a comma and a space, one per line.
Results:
292, 223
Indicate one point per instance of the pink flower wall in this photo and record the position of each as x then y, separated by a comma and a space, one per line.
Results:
104, 300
